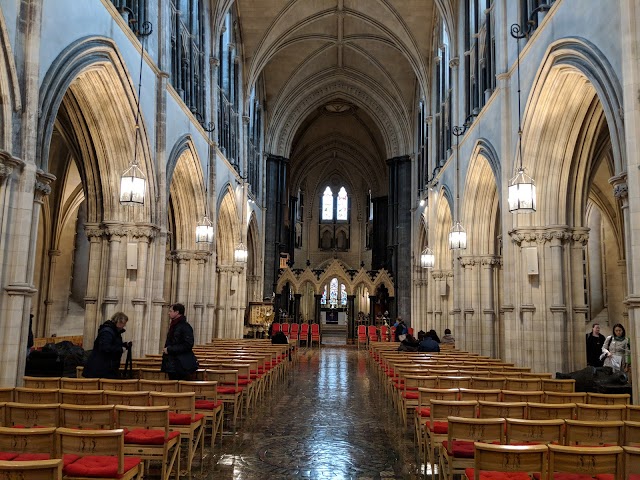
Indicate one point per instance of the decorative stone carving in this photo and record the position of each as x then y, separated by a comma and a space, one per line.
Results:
8, 164
454, 62
144, 231
42, 187
540, 235
621, 191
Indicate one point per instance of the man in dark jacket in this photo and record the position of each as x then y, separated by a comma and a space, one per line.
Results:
178, 360
104, 361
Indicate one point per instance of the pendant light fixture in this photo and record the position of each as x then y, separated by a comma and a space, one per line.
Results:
522, 188
241, 253
204, 228
457, 234
132, 181
427, 258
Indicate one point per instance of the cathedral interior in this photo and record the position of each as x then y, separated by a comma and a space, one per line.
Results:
462, 164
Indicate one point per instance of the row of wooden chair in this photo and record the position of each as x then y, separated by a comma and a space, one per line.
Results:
78, 454
453, 449
549, 461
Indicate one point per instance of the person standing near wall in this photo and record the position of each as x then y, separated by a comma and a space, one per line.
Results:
595, 341
178, 359
108, 347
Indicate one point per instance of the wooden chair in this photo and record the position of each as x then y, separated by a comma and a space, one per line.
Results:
558, 385
437, 428
457, 452
586, 461
454, 382
228, 390
585, 411
30, 415
40, 382
148, 436
593, 433
632, 434
35, 395
6, 394
33, 470
119, 385
138, 399
385, 334
423, 411
207, 404
523, 384
631, 463
80, 397
511, 459
408, 394
184, 419
372, 333
152, 374
492, 395
522, 395
167, 386
551, 411
87, 416
488, 382
534, 431
27, 443
502, 409
104, 446
565, 397
79, 383
608, 398
633, 413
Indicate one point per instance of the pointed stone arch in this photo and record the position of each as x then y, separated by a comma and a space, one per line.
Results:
10, 98
187, 202
443, 224
576, 89
92, 68
228, 226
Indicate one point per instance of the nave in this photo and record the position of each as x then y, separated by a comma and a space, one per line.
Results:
329, 419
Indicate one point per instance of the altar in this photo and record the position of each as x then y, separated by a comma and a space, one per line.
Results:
335, 317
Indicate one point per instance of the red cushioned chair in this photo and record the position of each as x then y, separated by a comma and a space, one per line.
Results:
495, 462
315, 333
304, 333
372, 333
33, 470
100, 455
384, 333
285, 329
148, 436
275, 328
184, 419
294, 331
362, 335
207, 403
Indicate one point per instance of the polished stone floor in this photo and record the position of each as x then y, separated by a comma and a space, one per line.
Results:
328, 420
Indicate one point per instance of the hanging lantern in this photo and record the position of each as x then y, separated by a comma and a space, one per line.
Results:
427, 258
204, 231
457, 237
522, 193
241, 253
132, 186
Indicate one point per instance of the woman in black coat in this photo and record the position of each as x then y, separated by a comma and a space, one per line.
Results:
104, 361
178, 360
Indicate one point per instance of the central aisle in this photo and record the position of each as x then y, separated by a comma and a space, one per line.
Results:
329, 419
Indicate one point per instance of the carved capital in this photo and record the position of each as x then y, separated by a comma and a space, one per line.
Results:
214, 62
8, 164
468, 261
42, 186
246, 119
621, 191
148, 232
454, 62
540, 235
183, 255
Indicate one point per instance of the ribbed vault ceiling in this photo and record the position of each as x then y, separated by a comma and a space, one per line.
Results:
340, 79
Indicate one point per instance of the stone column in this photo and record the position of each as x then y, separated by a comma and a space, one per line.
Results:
296, 307
92, 317
372, 309
558, 301
578, 358
466, 304
115, 232
141, 323
198, 323
183, 259
489, 326
221, 307
351, 314
316, 310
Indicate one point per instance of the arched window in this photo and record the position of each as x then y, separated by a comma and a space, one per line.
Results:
343, 205
187, 53
228, 118
343, 295
327, 204
323, 300
333, 292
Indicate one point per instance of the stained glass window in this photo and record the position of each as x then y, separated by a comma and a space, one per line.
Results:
343, 203
343, 294
327, 204
333, 292
323, 300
